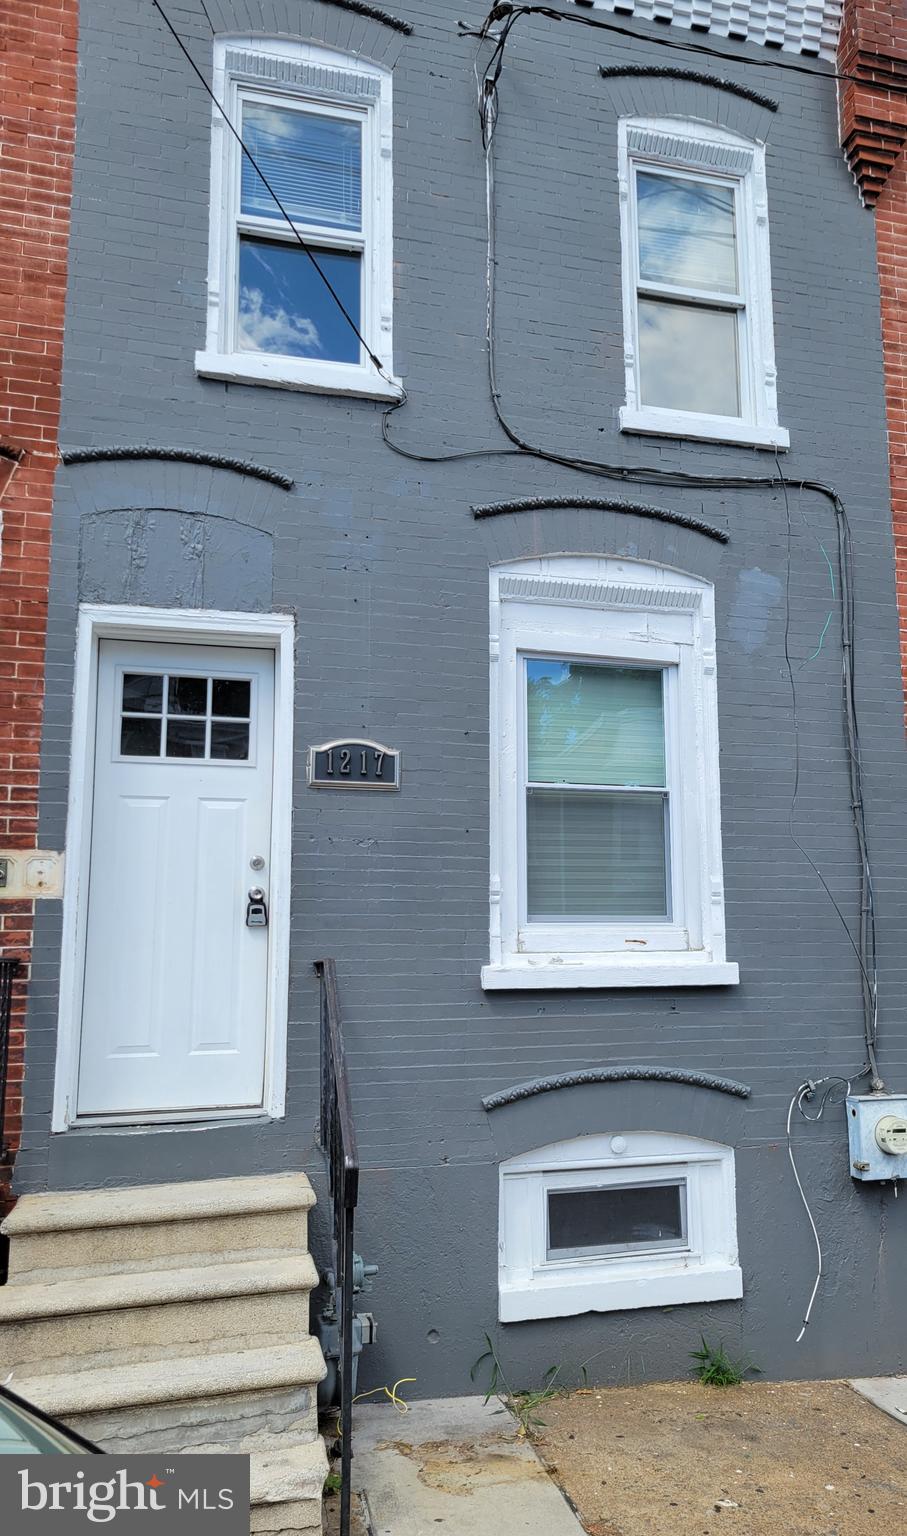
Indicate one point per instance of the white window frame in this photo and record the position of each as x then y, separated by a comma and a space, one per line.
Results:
704, 152
274, 632
299, 74
606, 609
704, 1268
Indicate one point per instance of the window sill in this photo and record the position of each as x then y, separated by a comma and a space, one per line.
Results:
713, 429
550, 971
285, 373
555, 1296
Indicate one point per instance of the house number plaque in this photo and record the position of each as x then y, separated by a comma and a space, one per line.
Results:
356, 764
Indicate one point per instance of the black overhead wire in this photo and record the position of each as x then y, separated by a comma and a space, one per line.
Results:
505, 11
487, 86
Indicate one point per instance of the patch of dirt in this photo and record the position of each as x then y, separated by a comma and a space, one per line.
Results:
460, 1467
762, 1459
330, 1516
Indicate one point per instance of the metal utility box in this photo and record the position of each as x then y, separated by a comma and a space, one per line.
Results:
877, 1133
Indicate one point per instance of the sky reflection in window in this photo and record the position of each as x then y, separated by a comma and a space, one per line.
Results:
286, 309
686, 233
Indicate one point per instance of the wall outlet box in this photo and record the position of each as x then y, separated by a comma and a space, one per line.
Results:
877, 1134
28, 874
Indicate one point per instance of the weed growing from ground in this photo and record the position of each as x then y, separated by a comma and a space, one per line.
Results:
715, 1368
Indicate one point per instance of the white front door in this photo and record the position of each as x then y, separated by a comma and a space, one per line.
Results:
175, 990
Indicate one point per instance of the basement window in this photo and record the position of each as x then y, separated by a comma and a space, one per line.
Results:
617, 1221
698, 330
318, 126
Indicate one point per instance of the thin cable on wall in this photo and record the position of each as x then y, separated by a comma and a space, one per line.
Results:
805, 1093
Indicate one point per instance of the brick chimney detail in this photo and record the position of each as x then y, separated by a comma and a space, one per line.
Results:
873, 116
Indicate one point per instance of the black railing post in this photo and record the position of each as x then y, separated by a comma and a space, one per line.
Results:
338, 1140
8, 972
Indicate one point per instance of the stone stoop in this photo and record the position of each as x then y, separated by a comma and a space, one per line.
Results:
174, 1317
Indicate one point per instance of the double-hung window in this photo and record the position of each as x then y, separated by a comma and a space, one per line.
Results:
698, 333
606, 837
300, 260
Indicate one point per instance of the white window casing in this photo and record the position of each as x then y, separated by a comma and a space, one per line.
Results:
289, 74
623, 612
700, 1266
704, 154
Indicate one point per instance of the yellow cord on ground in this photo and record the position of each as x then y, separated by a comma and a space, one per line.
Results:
400, 1403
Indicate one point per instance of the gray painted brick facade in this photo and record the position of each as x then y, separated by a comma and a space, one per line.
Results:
386, 572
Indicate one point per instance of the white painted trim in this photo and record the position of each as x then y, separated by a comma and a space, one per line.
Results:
653, 422
527, 973
294, 373
705, 150
705, 1268
271, 631
324, 78
609, 609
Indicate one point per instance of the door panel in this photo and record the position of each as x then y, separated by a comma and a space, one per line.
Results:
175, 993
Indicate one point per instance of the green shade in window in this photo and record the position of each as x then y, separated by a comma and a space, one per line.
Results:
594, 724
596, 856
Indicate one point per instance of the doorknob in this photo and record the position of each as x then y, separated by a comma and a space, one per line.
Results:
257, 909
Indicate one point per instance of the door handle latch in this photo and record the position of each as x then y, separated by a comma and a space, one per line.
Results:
257, 909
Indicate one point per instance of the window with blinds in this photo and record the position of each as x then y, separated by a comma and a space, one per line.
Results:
597, 800
308, 169
605, 827
300, 266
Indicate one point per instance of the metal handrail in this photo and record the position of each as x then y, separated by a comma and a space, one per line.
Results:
9, 969
337, 1138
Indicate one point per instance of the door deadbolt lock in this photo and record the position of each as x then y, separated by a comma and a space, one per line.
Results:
257, 909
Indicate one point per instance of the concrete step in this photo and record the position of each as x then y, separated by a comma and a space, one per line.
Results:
159, 1314
123, 1231
156, 1383
286, 1488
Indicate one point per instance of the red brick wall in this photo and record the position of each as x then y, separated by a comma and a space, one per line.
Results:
873, 121
37, 128
891, 235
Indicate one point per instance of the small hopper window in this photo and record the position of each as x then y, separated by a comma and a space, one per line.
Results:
608, 1222
628, 1219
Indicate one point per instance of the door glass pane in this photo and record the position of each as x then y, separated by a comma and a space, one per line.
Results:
286, 308
230, 696
140, 737
229, 739
584, 1221
142, 692
686, 232
688, 357
596, 856
185, 738
592, 724
313, 163
187, 696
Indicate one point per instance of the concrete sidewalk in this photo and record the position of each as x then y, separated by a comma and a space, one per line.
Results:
454, 1465
887, 1392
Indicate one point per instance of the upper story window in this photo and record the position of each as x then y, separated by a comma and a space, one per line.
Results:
606, 828
698, 335
318, 125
